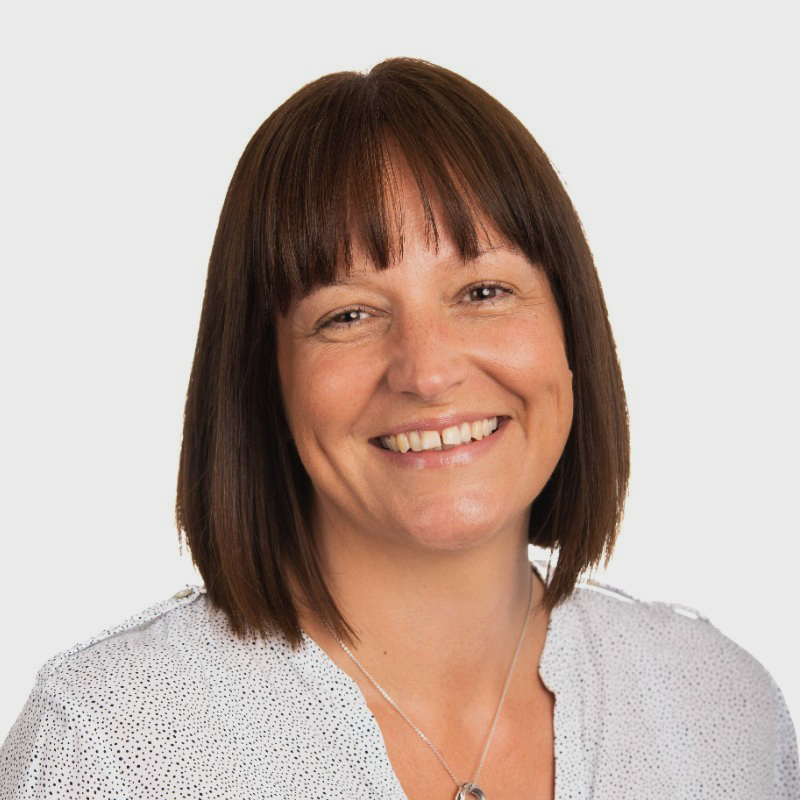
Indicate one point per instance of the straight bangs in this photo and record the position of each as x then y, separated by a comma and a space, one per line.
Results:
327, 164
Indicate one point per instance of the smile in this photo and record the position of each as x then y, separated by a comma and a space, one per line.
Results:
444, 439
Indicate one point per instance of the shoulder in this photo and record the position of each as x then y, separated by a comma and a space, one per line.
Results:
128, 679
614, 618
164, 631
146, 666
661, 680
657, 631
170, 657
664, 653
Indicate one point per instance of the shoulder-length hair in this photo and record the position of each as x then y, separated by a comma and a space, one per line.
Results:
311, 180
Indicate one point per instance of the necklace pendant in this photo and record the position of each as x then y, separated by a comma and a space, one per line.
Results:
467, 789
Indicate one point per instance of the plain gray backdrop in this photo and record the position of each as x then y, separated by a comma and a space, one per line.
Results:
675, 129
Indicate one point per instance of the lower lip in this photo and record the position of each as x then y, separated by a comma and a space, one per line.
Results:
430, 459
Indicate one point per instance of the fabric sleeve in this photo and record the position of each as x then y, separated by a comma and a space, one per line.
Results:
786, 775
45, 755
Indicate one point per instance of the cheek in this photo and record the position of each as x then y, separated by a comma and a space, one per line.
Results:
534, 365
321, 392
533, 358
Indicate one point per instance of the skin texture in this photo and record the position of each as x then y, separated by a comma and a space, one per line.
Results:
430, 565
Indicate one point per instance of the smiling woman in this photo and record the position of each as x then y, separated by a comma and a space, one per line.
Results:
404, 376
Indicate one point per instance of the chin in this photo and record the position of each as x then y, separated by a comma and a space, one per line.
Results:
450, 531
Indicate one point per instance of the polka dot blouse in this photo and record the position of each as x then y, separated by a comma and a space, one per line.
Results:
652, 701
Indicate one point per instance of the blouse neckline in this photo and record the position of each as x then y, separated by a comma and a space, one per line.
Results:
323, 661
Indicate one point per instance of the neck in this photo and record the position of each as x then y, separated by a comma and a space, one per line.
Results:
433, 626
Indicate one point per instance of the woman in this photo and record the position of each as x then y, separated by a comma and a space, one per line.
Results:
404, 376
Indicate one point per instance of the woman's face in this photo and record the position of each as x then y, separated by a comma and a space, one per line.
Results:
423, 346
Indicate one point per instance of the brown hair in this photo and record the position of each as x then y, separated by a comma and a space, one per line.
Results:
311, 179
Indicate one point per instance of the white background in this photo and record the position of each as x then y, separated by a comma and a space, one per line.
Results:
675, 129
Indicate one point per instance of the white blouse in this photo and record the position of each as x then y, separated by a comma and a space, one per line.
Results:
652, 701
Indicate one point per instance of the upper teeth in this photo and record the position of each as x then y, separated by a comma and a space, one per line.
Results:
433, 440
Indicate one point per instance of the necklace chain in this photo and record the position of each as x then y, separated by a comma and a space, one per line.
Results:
397, 708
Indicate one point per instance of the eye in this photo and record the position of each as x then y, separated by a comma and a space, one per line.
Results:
486, 291
349, 317
343, 319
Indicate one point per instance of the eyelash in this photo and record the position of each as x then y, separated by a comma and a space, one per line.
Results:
331, 321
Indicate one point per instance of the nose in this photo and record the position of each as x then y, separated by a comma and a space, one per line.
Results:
427, 355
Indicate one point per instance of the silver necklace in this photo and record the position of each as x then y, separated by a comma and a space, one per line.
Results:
463, 790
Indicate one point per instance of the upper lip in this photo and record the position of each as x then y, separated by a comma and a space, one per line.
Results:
438, 423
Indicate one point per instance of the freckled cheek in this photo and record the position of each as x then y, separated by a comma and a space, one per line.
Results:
326, 394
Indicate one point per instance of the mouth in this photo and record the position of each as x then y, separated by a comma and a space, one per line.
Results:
447, 438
